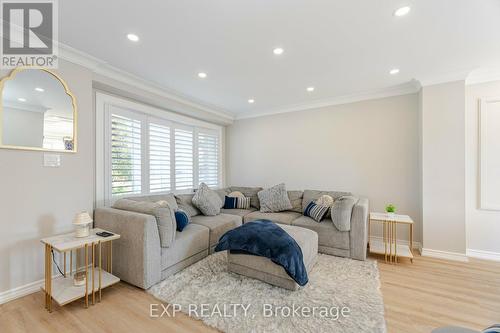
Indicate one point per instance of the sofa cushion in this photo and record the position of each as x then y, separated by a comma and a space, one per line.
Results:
274, 199
328, 234
217, 225
207, 201
342, 212
296, 200
281, 217
312, 195
165, 216
185, 202
239, 212
249, 192
264, 269
192, 240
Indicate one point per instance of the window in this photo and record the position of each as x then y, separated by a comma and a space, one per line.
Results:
208, 158
146, 150
125, 155
184, 171
159, 158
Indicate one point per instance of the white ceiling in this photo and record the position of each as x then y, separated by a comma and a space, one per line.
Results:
339, 47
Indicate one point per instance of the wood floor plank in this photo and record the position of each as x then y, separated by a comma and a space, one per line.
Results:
418, 297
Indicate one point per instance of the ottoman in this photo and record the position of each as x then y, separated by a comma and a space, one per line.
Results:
264, 269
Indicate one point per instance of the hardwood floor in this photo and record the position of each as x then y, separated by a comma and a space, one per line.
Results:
419, 297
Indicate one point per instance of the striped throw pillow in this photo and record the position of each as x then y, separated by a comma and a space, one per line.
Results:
316, 212
237, 203
243, 203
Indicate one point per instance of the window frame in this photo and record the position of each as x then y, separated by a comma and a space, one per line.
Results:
107, 104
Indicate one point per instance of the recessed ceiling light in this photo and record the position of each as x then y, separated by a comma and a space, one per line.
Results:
20, 99
39, 89
202, 75
133, 37
278, 51
402, 11
251, 101
310, 89
394, 71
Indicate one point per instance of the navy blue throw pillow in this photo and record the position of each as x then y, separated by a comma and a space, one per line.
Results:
316, 212
230, 202
182, 219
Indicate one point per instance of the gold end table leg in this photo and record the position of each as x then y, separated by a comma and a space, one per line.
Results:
64, 258
93, 273
86, 276
46, 289
395, 243
390, 242
111, 257
385, 240
49, 278
100, 268
411, 241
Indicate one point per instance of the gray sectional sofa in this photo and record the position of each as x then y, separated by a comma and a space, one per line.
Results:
139, 258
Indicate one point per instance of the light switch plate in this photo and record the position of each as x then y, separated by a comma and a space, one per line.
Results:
51, 160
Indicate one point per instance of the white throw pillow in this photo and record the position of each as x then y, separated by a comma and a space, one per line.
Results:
274, 199
325, 200
207, 201
236, 194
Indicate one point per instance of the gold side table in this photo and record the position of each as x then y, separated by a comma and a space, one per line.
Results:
61, 289
389, 246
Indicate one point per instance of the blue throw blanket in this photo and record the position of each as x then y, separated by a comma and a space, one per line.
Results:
266, 239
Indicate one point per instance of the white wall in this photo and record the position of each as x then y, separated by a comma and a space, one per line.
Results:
35, 201
443, 167
483, 227
369, 148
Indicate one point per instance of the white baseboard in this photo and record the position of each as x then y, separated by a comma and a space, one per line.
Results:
416, 245
444, 255
485, 255
21, 291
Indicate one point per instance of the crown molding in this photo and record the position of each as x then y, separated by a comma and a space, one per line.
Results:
101, 67
444, 78
402, 89
482, 75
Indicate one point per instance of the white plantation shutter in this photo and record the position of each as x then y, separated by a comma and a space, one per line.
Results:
159, 158
125, 155
184, 166
149, 150
208, 158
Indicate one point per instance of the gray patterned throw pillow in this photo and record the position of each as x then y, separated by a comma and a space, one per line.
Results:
207, 201
274, 199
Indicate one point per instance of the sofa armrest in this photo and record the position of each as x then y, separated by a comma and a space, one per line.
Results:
137, 254
359, 229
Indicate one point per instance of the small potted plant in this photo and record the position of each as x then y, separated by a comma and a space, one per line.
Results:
391, 210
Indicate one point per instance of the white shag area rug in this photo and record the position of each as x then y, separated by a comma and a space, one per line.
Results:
207, 291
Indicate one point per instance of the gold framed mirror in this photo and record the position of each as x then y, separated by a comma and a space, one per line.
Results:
37, 111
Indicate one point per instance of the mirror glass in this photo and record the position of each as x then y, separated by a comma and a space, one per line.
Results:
37, 112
